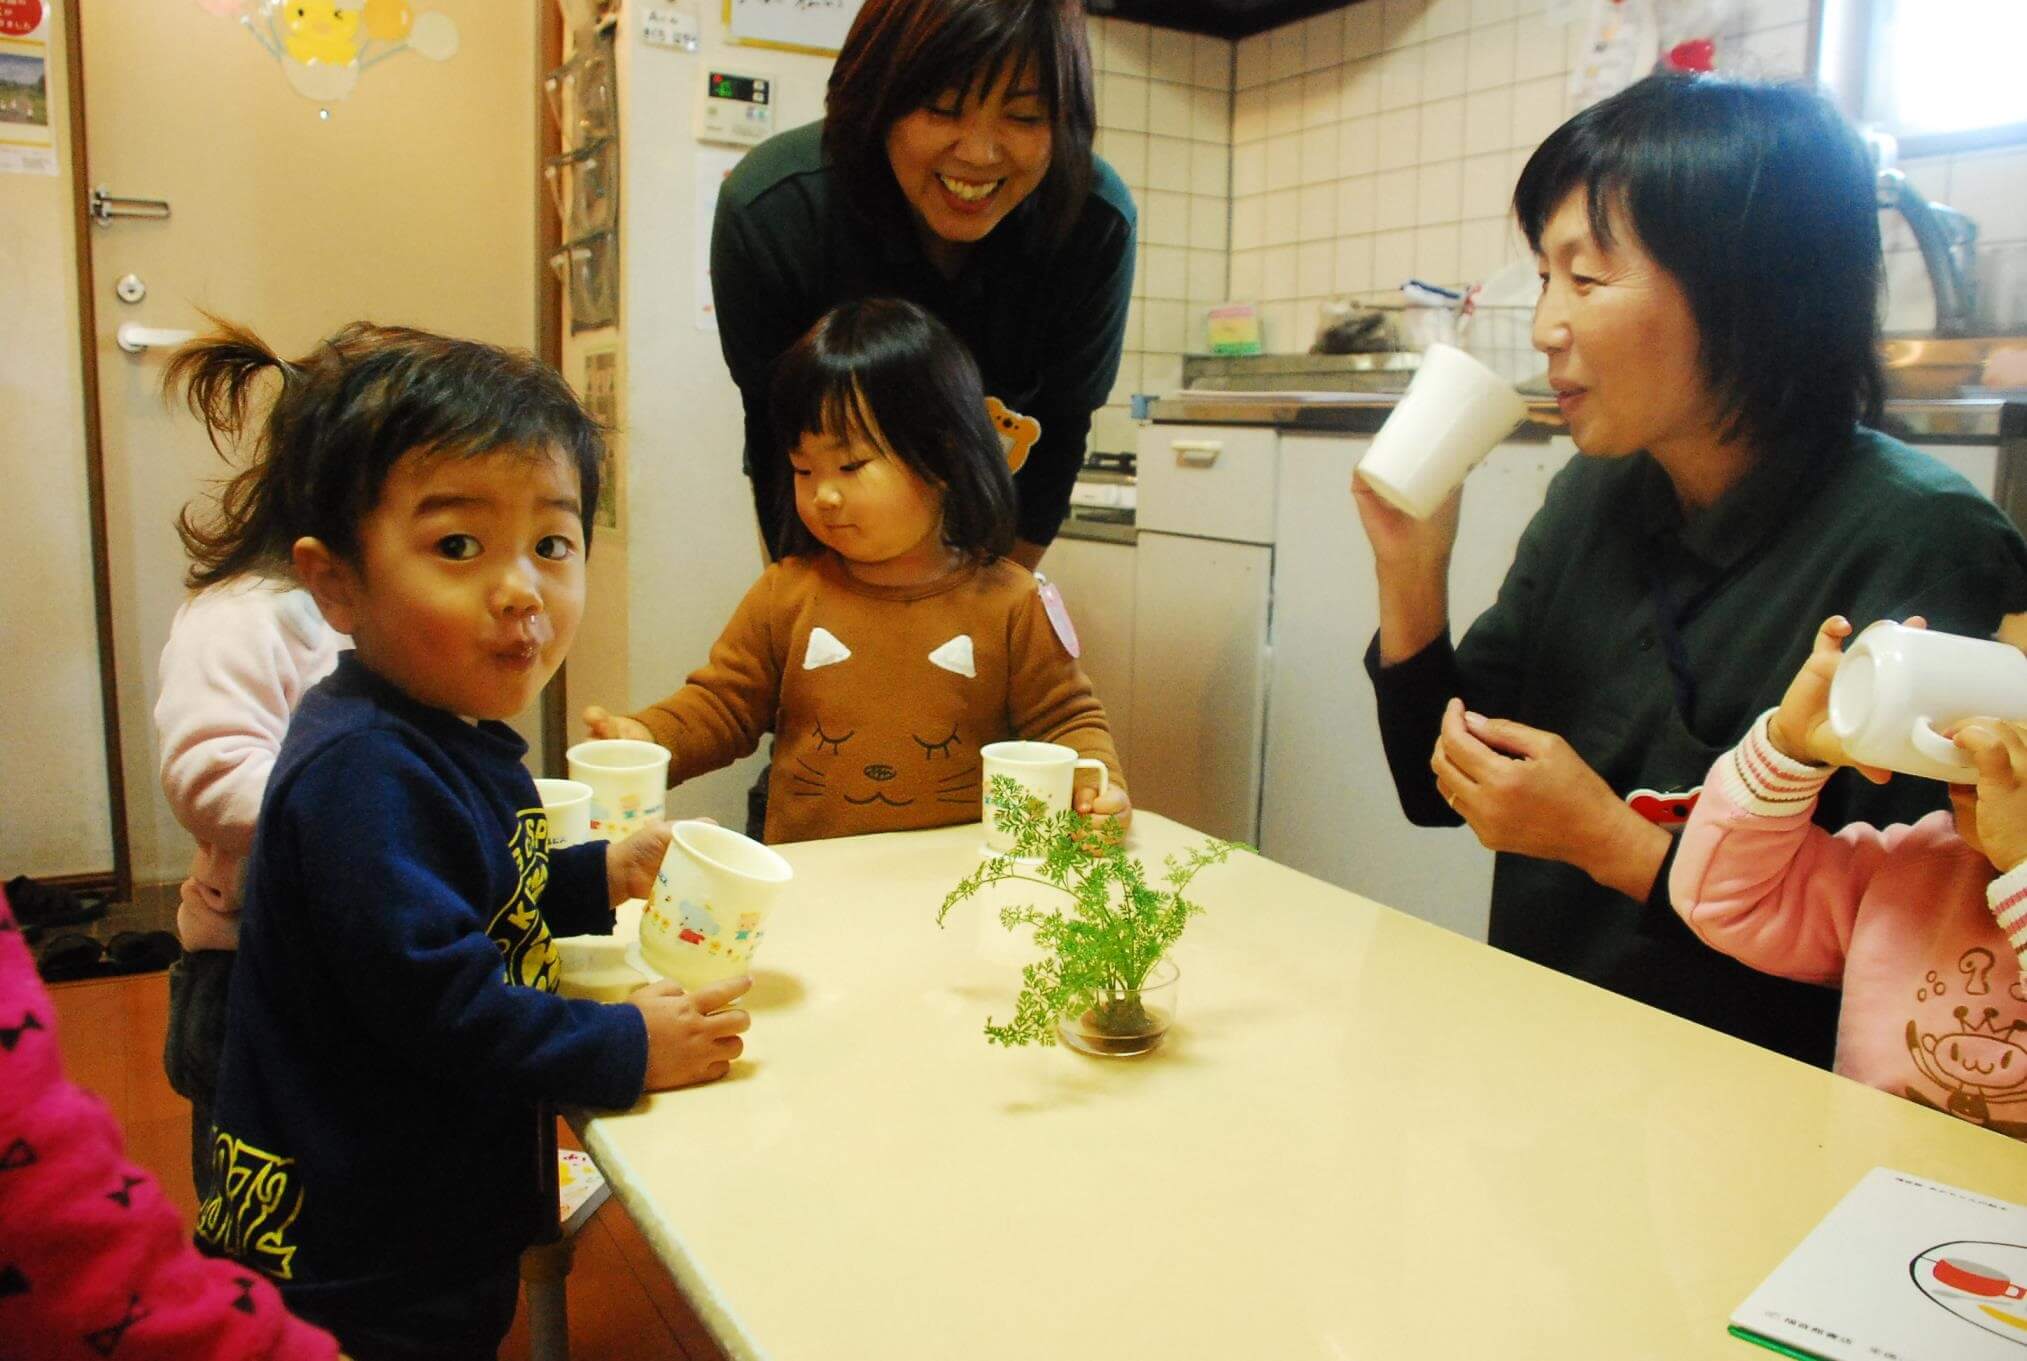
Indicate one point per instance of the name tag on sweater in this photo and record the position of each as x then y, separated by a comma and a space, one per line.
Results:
1059, 615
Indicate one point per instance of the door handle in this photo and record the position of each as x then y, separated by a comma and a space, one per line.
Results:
1197, 453
135, 338
104, 207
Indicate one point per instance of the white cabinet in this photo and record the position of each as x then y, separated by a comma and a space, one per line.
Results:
1199, 681
1096, 579
1204, 573
1328, 807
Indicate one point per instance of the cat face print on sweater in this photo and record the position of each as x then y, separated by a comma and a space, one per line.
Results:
887, 728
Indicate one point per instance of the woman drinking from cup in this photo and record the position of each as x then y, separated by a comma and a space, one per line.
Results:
1710, 264
954, 169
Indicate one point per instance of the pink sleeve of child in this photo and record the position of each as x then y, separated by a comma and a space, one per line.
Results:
1756, 879
94, 1261
238, 660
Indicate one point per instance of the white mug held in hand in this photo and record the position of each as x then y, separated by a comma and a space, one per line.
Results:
710, 900
1897, 687
1045, 769
567, 803
629, 783
1454, 412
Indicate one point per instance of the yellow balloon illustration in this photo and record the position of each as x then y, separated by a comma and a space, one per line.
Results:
320, 32
388, 20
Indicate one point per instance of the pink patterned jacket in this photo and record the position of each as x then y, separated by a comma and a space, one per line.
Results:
94, 1262
1908, 920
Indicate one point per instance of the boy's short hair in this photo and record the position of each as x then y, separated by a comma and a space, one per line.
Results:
344, 415
886, 372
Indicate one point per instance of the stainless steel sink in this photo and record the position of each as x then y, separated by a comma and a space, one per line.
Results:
1926, 366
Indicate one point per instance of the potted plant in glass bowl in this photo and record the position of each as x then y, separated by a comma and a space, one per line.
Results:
1105, 984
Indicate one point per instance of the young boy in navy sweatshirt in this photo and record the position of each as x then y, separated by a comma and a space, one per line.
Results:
393, 1022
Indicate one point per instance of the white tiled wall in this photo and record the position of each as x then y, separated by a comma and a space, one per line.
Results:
1380, 142
1165, 124
1345, 153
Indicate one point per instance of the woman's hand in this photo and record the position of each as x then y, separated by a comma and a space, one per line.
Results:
1526, 791
599, 723
1999, 750
631, 865
1399, 540
1412, 561
1800, 729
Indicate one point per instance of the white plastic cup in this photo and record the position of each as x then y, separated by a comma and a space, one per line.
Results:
629, 783
1454, 412
1896, 686
1046, 770
710, 902
567, 803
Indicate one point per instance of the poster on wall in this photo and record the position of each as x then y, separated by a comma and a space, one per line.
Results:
27, 147
798, 25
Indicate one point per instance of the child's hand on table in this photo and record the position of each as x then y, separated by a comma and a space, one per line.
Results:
1112, 804
631, 865
1800, 728
692, 1036
602, 724
1999, 750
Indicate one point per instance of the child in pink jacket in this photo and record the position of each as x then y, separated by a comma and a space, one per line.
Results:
1923, 926
94, 1261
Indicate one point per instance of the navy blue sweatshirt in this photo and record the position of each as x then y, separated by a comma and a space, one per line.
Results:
393, 1021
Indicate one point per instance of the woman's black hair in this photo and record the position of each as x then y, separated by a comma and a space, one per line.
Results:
1758, 200
338, 421
886, 372
900, 55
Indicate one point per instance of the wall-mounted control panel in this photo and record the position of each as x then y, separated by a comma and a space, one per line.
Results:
737, 108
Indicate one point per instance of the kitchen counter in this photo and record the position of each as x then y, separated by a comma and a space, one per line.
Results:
1366, 1136
1981, 420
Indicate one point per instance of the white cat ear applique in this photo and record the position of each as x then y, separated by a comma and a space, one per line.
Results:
955, 656
824, 650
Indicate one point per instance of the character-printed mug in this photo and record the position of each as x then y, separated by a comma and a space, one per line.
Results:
567, 803
629, 783
709, 904
1047, 770
1897, 687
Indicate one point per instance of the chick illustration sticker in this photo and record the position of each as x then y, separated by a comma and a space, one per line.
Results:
324, 46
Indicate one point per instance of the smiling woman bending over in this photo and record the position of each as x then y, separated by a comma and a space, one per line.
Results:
954, 169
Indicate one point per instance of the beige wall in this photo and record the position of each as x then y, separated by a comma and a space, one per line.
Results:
53, 799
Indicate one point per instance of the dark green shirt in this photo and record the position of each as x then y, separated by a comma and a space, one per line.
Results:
1045, 326
1578, 644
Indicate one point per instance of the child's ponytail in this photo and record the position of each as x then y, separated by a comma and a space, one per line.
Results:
217, 375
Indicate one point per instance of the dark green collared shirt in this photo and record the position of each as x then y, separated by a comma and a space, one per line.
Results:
1580, 643
1046, 326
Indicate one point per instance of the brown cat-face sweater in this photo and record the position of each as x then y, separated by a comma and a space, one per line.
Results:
879, 697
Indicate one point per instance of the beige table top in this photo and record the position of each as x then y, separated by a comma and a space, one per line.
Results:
1366, 1137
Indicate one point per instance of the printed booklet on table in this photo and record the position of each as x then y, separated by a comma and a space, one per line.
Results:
1902, 1268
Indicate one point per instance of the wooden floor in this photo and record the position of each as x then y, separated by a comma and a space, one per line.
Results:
623, 1306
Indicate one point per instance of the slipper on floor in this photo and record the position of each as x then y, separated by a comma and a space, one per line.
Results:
140, 952
37, 905
69, 957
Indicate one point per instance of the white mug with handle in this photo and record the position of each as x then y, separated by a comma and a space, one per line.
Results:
1897, 688
1047, 770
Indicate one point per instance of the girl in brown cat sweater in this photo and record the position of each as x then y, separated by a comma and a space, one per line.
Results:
895, 638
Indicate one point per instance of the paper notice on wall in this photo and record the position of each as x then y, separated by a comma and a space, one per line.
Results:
27, 147
1620, 47
713, 165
